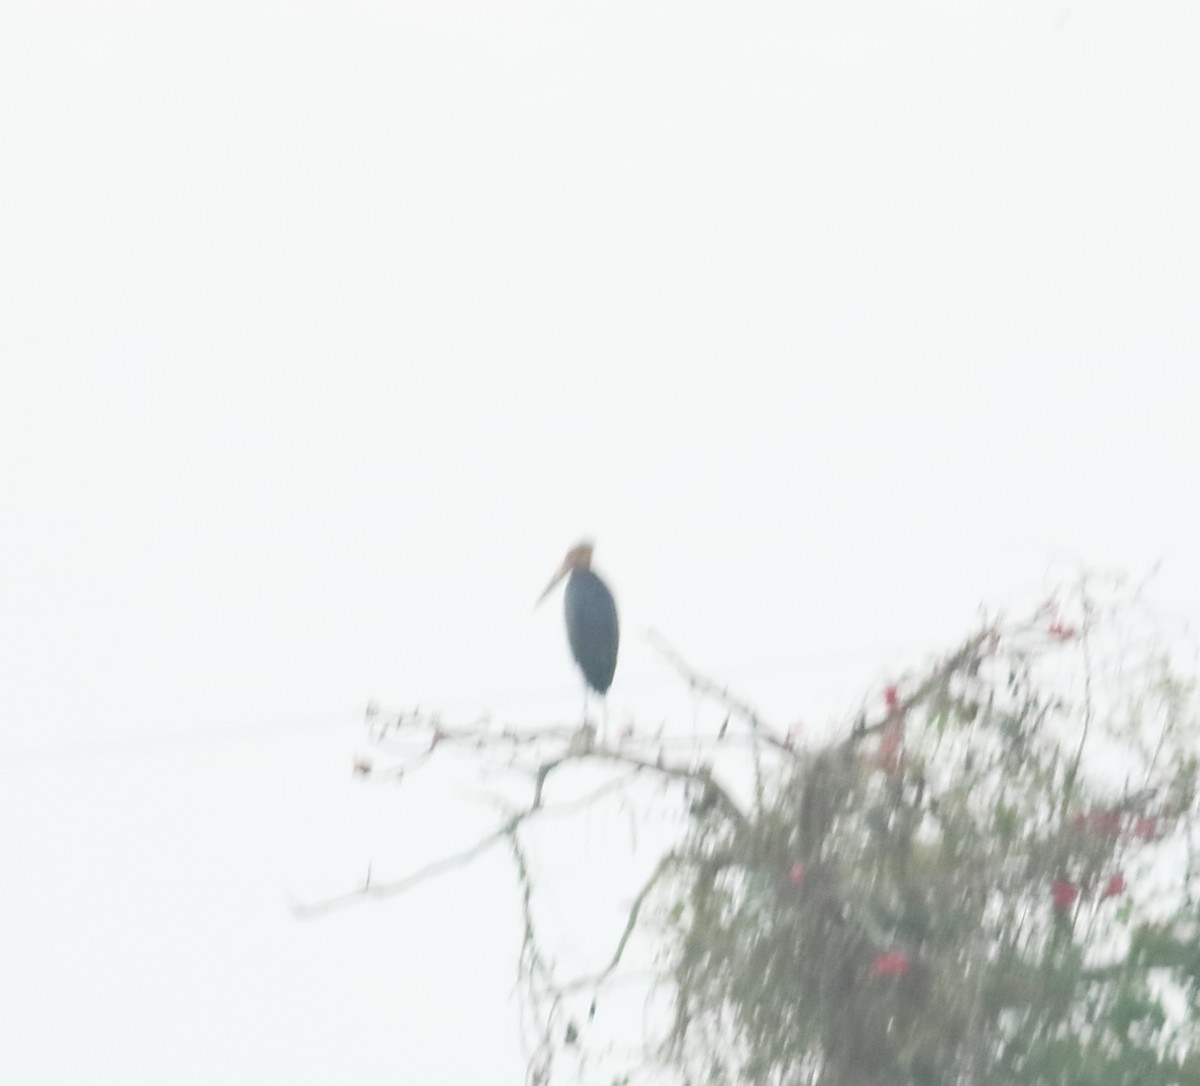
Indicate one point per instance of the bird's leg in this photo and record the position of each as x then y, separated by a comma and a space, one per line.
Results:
585, 738
587, 696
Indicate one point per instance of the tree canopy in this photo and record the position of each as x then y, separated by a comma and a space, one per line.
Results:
986, 877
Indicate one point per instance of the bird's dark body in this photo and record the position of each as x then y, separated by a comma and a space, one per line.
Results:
592, 628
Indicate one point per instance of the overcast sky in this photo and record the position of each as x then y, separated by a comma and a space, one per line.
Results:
325, 329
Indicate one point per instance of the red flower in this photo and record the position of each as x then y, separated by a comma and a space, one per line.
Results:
892, 964
1145, 827
1114, 823
1105, 823
1064, 893
796, 875
1116, 885
891, 697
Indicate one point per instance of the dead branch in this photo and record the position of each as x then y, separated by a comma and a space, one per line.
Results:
701, 775
702, 684
669, 861
371, 889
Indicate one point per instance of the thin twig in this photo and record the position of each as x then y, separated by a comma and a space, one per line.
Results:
938, 677
1088, 705
371, 889
760, 731
596, 979
716, 692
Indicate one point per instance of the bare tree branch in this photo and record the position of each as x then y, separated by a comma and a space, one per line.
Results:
371, 889
669, 861
702, 775
720, 694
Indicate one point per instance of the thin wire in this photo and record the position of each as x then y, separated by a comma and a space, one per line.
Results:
167, 741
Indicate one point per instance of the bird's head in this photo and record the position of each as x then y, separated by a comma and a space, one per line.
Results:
578, 557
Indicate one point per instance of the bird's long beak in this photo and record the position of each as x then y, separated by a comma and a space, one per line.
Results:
562, 572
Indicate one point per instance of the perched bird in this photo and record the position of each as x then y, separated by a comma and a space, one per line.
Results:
591, 613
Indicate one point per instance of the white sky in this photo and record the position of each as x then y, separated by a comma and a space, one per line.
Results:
326, 328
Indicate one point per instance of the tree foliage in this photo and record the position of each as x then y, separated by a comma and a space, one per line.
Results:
998, 889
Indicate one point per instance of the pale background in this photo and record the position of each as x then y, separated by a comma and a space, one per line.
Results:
325, 328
